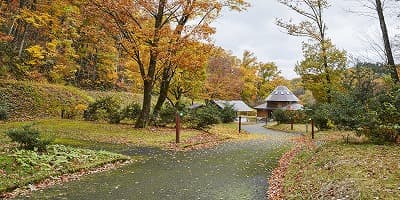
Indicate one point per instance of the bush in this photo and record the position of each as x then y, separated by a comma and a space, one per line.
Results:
3, 113
28, 138
205, 117
166, 115
104, 109
321, 116
132, 111
280, 116
73, 112
228, 114
381, 123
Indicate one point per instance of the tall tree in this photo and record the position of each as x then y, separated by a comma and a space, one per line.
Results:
269, 78
151, 32
190, 13
314, 27
377, 6
314, 73
224, 79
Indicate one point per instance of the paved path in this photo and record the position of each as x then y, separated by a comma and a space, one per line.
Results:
236, 170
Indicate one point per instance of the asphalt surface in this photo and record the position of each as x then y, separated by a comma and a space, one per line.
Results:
234, 170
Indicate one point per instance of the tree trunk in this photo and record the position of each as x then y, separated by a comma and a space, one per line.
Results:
327, 75
145, 114
148, 79
164, 87
386, 41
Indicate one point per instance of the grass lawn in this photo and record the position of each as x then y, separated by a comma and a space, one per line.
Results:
297, 128
340, 170
80, 133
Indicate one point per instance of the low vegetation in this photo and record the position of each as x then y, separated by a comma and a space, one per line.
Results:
342, 165
345, 171
22, 167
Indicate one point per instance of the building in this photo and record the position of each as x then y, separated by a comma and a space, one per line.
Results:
240, 107
280, 98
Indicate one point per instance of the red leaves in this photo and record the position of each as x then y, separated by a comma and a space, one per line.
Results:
275, 191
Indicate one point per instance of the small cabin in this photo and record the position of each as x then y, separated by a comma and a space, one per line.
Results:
280, 98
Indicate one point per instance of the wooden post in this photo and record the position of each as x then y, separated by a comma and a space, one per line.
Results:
312, 129
240, 124
291, 126
177, 126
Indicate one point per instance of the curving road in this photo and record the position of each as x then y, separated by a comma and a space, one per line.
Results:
236, 170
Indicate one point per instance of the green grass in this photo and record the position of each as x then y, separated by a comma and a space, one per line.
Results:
70, 131
297, 128
85, 134
357, 170
21, 167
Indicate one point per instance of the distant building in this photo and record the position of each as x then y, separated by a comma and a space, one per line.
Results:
280, 98
239, 106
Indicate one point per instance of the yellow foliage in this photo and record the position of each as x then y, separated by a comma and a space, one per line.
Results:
80, 107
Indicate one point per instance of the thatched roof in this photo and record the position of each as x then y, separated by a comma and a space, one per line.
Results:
282, 93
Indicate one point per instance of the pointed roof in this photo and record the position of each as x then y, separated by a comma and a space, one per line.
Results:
282, 93
238, 106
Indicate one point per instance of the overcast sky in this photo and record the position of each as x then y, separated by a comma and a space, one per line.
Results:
255, 30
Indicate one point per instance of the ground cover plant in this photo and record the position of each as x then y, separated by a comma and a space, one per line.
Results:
19, 167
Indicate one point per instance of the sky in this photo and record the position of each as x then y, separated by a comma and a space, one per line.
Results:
255, 30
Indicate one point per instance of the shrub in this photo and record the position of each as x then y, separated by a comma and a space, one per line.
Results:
103, 109
321, 116
228, 114
381, 123
166, 115
131, 111
28, 138
206, 116
3, 113
280, 116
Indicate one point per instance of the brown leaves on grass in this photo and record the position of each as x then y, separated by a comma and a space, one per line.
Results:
275, 191
200, 141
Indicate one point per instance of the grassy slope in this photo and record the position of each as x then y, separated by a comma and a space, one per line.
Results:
30, 100
345, 171
124, 98
357, 170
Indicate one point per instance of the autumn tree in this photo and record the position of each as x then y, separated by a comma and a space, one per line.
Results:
314, 73
190, 74
41, 35
151, 32
268, 79
223, 79
375, 9
249, 66
313, 27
